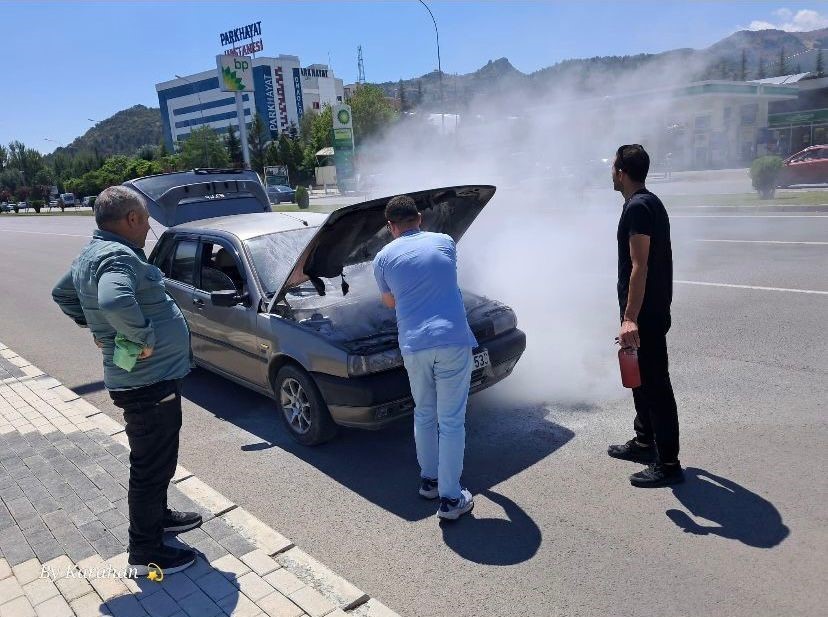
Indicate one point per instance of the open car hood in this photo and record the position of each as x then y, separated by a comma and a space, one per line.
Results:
186, 196
355, 234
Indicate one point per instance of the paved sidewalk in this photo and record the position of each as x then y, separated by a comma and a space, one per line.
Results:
64, 469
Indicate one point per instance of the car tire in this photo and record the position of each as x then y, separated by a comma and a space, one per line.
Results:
301, 407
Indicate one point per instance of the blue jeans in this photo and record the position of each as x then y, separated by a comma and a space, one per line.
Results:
439, 381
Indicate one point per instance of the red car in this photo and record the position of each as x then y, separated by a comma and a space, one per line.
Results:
810, 166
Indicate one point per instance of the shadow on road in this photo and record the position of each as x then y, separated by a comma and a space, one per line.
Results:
382, 467
740, 514
88, 388
494, 541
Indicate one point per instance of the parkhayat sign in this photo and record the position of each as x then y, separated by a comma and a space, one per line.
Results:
237, 37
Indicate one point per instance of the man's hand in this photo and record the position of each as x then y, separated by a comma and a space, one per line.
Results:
98, 343
146, 352
389, 300
628, 336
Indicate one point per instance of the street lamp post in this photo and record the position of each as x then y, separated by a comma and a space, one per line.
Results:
439, 69
201, 113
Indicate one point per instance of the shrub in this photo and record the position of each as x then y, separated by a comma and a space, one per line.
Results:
764, 173
302, 197
37, 204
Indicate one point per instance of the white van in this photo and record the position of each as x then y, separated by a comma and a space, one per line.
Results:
68, 199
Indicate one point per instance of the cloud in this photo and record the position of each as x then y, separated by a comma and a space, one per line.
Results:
801, 21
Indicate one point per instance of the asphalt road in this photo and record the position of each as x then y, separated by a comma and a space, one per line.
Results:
557, 529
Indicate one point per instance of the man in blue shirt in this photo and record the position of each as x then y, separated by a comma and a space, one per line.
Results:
112, 289
417, 275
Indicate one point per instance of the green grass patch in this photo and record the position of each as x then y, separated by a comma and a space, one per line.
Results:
782, 198
324, 209
47, 213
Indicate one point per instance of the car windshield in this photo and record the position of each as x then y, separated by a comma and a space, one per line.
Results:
274, 255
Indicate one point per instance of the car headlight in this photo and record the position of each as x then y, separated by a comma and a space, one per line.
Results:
375, 363
504, 321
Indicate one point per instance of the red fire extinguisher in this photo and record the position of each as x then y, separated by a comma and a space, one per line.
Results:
628, 362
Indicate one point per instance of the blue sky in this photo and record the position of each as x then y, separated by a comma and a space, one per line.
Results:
71, 61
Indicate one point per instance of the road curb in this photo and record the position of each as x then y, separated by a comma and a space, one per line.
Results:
78, 414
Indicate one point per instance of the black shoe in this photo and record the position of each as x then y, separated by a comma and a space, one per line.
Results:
633, 451
658, 475
428, 488
167, 559
178, 522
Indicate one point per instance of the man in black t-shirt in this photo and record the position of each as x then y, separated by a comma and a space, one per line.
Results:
645, 291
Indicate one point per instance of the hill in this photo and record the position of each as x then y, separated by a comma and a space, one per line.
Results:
122, 133
722, 60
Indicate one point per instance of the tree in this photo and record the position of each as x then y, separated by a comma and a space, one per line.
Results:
743, 66
203, 148
4, 157
231, 141
403, 102
371, 113
419, 92
782, 65
760, 69
819, 69
257, 138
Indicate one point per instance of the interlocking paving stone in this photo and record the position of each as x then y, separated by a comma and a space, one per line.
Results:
63, 500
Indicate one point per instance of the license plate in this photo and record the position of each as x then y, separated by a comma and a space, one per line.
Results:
481, 359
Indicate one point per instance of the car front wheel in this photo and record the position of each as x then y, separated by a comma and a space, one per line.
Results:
302, 408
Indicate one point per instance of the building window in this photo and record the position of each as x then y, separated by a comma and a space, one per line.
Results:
702, 123
316, 104
749, 114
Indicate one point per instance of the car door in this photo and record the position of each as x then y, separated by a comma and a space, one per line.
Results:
176, 257
819, 169
797, 169
225, 337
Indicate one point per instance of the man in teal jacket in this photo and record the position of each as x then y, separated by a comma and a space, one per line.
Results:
112, 290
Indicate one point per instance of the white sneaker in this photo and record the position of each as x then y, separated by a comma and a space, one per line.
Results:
452, 509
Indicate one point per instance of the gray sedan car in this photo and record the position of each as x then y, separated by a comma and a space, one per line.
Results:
286, 304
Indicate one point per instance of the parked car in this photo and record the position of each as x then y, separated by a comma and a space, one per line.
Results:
5, 207
89, 202
281, 193
68, 200
286, 304
809, 166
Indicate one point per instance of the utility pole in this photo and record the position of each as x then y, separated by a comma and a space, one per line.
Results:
439, 69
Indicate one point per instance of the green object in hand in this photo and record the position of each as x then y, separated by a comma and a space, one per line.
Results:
126, 352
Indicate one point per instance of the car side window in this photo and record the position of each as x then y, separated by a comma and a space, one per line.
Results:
163, 255
219, 269
183, 263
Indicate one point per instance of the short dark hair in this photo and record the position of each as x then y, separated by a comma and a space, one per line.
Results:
115, 203
401, 209
633, 160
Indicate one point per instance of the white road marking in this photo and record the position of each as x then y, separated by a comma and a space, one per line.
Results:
799, 291
759, 241
50, 233
749, 216
45, 233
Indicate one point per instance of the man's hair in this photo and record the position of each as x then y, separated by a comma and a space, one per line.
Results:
401, 209
634, 161
115, 202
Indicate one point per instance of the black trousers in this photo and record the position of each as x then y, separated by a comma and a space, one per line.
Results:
153, 420
656, 415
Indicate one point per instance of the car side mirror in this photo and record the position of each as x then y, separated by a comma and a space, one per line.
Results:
228, 298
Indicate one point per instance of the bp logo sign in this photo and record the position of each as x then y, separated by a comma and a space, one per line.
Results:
342, 117
235, 73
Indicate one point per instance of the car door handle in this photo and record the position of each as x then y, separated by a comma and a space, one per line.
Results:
198, 302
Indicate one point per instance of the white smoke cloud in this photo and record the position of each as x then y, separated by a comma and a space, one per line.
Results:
546, 244
803, 20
